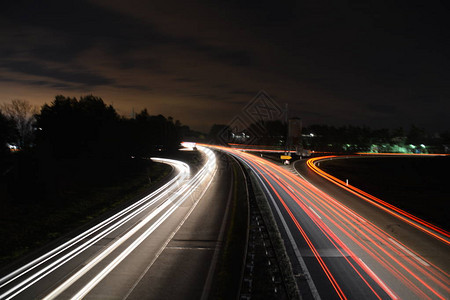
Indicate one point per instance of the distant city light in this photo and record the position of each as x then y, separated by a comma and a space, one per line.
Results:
189, 146
12, 148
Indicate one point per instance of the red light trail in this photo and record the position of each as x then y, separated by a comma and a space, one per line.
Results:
423, 225
347, 248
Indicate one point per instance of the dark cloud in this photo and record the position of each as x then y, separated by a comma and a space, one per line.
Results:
212, 97
133, 87
237, 58
40, 83
78, 26
73, 76
249, 93
383, 108
184, 79
334, 62
75, 27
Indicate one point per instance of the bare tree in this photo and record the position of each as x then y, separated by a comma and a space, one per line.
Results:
21, 112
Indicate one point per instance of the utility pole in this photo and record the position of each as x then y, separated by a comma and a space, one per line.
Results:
286, 122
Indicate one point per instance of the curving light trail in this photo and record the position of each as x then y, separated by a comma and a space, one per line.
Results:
423, 225
345, 255
154, 209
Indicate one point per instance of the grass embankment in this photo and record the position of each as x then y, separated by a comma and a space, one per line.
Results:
415, 184
34, 218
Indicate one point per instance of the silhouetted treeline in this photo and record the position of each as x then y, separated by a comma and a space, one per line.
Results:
337, 139
77, 144
90, 128
71, 128
362, 139
345, 138
7, 134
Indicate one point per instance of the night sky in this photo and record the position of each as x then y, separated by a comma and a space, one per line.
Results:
383, 64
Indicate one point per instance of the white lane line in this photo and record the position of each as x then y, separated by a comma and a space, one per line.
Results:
314, 212
173, 233
353, 214
410, 253
105, 253
21, 286
383, 285
312, 286
187, 188
191, 248
40, 260
91, 284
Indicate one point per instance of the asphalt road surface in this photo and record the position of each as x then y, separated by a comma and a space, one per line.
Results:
163, 246
433, 246
342, 251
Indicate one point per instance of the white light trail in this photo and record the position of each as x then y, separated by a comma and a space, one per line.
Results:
204, 175
40, 260
93, 235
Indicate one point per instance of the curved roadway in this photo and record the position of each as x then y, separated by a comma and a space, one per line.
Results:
343, 253
162, 246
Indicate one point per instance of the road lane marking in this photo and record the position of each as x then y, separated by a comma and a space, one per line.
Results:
40, 260
410, 253
190, 248
384, 286
21, 286
312, 286
314, 212
171, 235
353, 214
203, 175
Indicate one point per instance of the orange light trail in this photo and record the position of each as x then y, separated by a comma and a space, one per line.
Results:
313, 249
382, 237
333, 239
425, 226
331, 236
438, 276
264, 150
374, 247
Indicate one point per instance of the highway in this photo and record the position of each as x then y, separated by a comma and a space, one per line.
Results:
426, 239
114, 258
344, 254
166, 244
